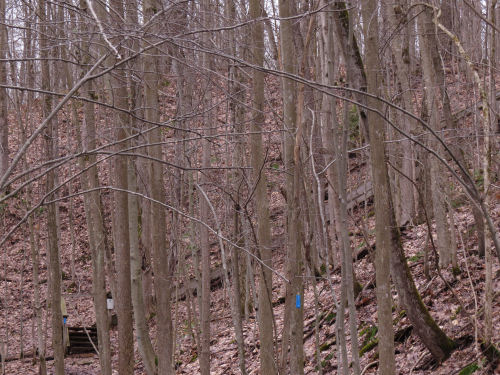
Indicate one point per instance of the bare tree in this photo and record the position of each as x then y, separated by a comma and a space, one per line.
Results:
267, 362
4, 125
384, 211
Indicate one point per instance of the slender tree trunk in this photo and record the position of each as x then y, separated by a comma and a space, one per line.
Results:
53, 248
121, 238
235, 116
207, 8
161, 262
37, 304
4, 124
389, 240
397, 15
143, 338
487, 154
97, 236
120, 225
294, 314
329, 122
94, 218
382, 192
205, 276
267, 363
141, 328
429, 56
349, 48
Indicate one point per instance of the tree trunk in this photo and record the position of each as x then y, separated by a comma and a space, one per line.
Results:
350, 50
430, 59
487, 174
4, 123
204, 208
397, 15
120, 225
162, 265
267, 362
97, 236
382, 192
142, 332
53, 248
94, 218
388, 240
37, 304
294, 319
329, 122
205, 276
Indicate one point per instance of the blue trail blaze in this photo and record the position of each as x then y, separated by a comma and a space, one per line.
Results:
297, 301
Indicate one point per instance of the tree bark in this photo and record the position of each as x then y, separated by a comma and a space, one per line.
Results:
207, 64
121, 236
267, 362
52, 243
294, 311
4, 123
97, 236
384, 210
397, 15
162, 265
429, 54
387, 232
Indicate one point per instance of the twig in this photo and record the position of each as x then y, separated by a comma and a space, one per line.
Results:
368, 366
101, 29
472, 287
90, 339
418, 361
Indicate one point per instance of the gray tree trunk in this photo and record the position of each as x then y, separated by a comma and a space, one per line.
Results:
398, 16
4, 124
382, 192
121, 236
267, 362
439, 187
162, 265
52, 243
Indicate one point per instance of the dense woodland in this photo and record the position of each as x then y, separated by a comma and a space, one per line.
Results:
257, 187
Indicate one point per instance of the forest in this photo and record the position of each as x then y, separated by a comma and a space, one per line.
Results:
249, 187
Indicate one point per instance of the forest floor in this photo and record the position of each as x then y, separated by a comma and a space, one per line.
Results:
458, 311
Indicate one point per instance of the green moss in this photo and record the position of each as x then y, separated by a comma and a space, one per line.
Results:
370, 340
456, 312
353, 123
479, 178
330, 317
469, 369
416, 257
326, 345
72, 288
458, 202
369, 346
490, 351
322, 268
456, 271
